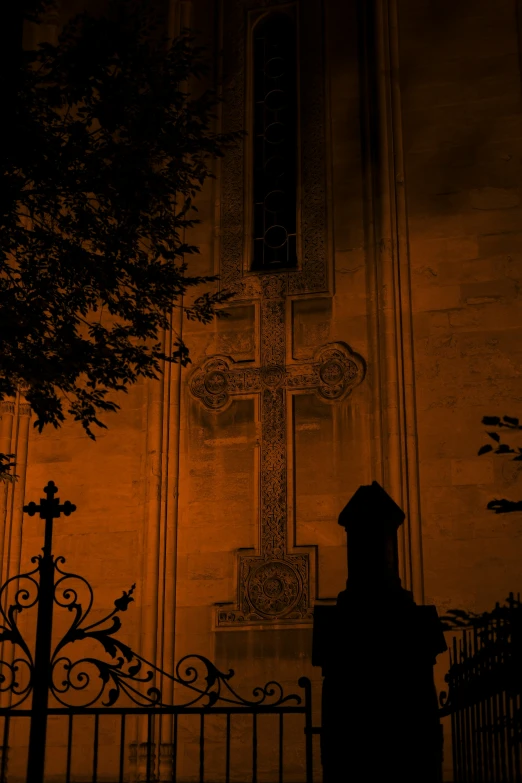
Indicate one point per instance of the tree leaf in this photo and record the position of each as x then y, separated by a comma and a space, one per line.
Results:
108, 153
505, 506
485, 449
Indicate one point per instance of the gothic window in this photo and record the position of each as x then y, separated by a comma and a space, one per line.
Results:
275, 144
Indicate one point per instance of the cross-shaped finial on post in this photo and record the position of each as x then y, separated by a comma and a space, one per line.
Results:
49, 509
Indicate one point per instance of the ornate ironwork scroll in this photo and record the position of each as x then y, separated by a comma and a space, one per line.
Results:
121, 672
16, 673
89, 667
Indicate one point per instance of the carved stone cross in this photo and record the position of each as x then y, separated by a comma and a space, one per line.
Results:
274, 584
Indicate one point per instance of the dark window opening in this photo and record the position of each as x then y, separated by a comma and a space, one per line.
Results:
275, 145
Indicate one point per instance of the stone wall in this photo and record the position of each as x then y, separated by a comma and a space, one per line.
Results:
460, 84
455, 251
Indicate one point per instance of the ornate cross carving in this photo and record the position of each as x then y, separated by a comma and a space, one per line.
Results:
274, 584
332, 373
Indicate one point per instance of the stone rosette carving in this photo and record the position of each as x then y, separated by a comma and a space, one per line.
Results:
271, 590
272, 376
209, 382
340, 370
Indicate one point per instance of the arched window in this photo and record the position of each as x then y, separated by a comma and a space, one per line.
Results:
275, 144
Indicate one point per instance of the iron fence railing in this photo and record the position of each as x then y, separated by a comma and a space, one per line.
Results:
264, 750
104, 715
484, 696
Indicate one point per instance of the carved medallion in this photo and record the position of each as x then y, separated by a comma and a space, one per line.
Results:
274, 588
210, 383
339, 371
272, 376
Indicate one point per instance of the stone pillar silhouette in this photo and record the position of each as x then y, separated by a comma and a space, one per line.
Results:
377, 649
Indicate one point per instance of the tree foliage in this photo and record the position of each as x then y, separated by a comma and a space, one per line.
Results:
108, 150
458, 619
502, 506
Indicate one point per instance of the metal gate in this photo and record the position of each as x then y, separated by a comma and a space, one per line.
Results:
484, 697
110, 715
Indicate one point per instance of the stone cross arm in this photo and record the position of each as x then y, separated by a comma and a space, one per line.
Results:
273, 585
332, 373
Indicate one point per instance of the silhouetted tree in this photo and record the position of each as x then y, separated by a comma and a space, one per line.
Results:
108, 148
502, 506
456, 619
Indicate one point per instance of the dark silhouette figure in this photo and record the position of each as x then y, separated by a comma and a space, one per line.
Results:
377, 649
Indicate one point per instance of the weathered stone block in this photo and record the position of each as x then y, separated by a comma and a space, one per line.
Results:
472, 471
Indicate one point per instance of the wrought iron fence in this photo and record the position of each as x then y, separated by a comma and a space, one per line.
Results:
101, 716
219, 749
484, 696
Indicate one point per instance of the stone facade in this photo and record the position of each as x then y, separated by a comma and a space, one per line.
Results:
218, 488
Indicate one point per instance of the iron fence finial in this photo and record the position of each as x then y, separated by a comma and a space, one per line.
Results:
49, 509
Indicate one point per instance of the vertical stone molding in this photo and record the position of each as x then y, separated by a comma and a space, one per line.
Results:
14, 434
518, 13
15, 415
158, 616
166, 759
7, 415
394, 405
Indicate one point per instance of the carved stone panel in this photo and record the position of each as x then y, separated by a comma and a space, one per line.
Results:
274, 582
274, 585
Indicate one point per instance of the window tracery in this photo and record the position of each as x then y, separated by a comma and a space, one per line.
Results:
274, 144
